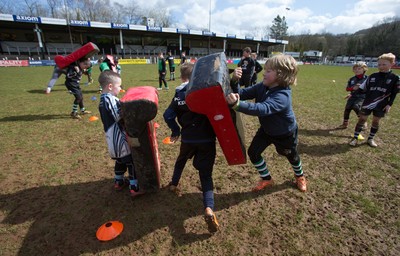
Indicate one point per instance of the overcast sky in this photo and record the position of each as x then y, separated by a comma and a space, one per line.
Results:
243, 17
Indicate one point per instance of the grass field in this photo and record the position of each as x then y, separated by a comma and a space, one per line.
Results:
56, 180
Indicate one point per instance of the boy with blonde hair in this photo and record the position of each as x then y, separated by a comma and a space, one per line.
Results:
273, 106
356, 97
380, 91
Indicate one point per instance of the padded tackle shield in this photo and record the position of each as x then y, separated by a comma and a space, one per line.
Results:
86, 51
206, 95
139, 107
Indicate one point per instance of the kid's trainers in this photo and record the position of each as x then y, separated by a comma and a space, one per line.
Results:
211, 220
120, 184
372, 143
135, 191
174, 189
353, 142
301, 183
343, 126
85, 112
263, 184
75, 115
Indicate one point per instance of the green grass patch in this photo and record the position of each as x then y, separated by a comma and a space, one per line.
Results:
56, 179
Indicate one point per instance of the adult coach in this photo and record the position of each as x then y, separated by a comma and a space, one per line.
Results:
248, 66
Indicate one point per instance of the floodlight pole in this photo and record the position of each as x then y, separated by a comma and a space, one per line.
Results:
180, 44
209, 28
69, 27
39, 36
209, 18
121, 39
284, 45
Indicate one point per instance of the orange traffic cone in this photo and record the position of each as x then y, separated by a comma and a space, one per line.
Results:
109, 230
93, 118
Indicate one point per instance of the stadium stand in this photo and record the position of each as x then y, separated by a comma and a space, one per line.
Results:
19, 38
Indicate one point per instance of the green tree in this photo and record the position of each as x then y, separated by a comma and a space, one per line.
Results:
279, 28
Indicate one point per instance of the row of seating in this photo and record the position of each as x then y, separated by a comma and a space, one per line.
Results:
32, 48
139, 50
12, 47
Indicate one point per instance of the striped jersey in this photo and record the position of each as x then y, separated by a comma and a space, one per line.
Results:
109, 109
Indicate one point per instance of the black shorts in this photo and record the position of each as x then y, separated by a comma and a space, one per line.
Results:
203, 153
285, 145
171, 69
354, 103
375, 112
74, 90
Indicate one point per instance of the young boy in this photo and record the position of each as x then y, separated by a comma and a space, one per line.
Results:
171, 64
118, 67
73, 78
118, 146
356, 97
197, 142
273, 106
88, 72
162, 69
183, 58
248, 65
381, 89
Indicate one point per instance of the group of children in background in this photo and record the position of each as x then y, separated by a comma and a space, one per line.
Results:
374, 95
269, 100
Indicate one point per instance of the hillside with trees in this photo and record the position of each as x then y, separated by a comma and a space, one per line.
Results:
380, 38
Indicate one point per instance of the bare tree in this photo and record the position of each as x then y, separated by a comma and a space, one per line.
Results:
67, 9
259, 32
133, 13
118, 13
7, 6
34, 8
54, 5
94, 10
161, 18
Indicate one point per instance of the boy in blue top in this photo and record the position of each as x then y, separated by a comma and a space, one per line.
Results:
380, 91
273, 106
356, 97
197, 142
118, 147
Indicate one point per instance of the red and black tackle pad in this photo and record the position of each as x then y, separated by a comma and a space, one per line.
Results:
205, 94
86, 51
139, 107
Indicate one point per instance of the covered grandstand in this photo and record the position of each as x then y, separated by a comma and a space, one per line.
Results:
25, 37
